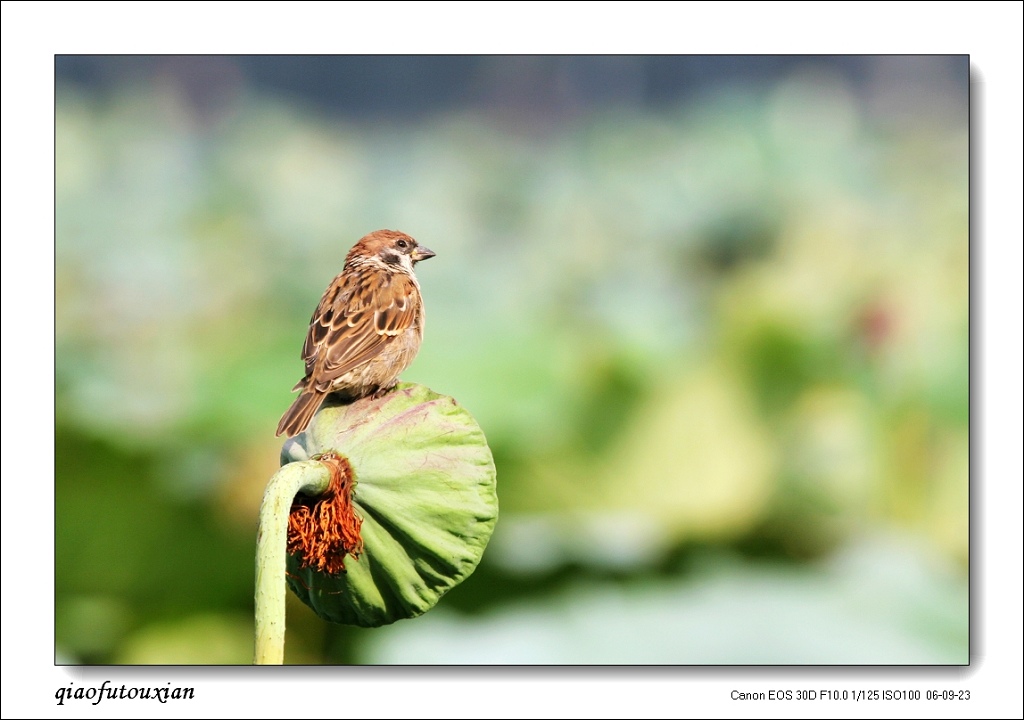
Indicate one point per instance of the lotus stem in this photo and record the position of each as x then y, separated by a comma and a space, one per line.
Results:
312, 478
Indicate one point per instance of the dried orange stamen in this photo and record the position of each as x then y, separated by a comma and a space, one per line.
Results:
324, 529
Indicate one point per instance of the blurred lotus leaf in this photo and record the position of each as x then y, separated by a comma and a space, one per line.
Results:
425, 490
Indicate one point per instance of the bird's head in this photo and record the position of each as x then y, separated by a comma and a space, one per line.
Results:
394, 249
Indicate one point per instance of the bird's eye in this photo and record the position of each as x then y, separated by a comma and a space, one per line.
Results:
403, 244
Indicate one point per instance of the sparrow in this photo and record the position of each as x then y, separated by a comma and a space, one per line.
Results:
367, 328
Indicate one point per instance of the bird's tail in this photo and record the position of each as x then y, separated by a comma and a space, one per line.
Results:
297, 417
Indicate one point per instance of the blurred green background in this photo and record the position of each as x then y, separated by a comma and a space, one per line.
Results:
711, 312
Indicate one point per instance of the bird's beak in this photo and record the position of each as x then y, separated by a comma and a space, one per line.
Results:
422, 253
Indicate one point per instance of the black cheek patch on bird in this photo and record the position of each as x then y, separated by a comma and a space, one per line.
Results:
390, 257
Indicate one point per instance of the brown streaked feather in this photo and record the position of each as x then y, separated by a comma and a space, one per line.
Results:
297, 417
357, 324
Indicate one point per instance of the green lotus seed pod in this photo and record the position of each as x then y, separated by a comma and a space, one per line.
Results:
422, 505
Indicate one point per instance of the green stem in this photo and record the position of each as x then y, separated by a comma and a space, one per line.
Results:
312, 478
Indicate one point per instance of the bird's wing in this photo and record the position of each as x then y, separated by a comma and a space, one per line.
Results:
357, 317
